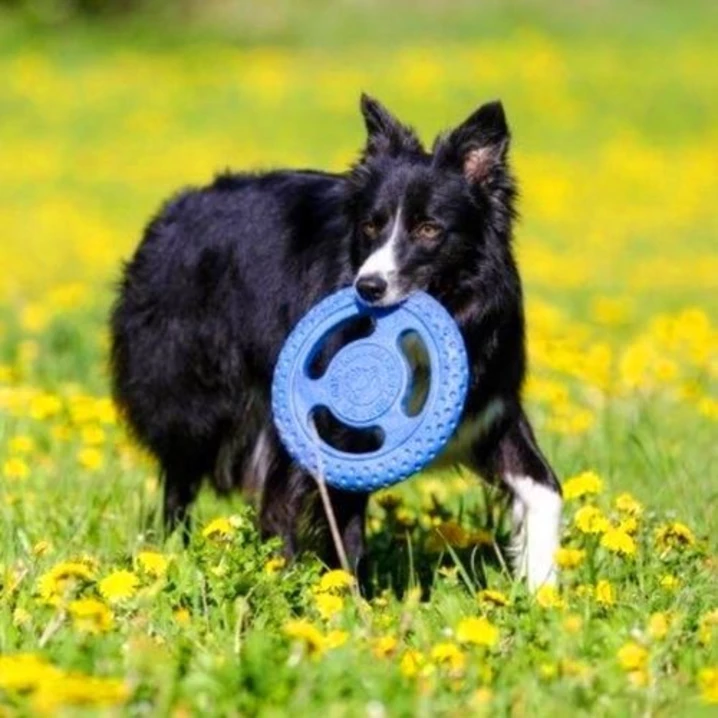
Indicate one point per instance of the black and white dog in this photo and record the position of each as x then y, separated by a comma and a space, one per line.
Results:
223, 273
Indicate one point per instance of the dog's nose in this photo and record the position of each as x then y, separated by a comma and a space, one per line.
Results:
371, 288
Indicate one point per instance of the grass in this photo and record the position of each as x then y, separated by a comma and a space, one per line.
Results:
613, 140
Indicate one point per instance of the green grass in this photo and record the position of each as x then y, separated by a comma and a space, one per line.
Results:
611, 108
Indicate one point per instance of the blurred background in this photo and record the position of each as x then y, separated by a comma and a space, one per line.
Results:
106, 107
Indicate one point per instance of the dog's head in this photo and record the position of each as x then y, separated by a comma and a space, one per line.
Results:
419, 216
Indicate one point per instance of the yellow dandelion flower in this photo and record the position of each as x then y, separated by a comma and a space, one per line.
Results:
182, 616
570, 557
450, 656
335, 639
92, 435
707, 624
16, 468
477, 631
90, 615
218, 529
628, 525
674, 535
328, 605
669, 582
493, 598
274, 564
21, 444
75, 689
632, 657
547, 596
384, 646
153, 563
62, 578
605, 594
336, 580
449, 532
708, 684
411, 663
658, 626
628, 504
590, 520
583, 484
618, 542
573, 623
22, 672
119, 585
639, 679
302, 631
90, 458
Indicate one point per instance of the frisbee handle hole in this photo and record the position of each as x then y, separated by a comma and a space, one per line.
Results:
346, 332
416, 353
341, 436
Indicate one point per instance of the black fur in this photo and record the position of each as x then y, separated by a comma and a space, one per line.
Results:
224, 272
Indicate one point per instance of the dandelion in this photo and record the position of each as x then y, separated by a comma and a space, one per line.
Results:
573, 623
153, 563
21, 672
674, 535
590, 520
632, 657
384, 646
182, 616
21, 444
569, 557
605, 595
618, 542
274, 564
492, 597
411, 662
61, 580
548, 597
219, 529
16, 468
628, 504
90, 615
336, 580
658, 626
669, 582
90, 458
584, 484
328, 605
304, 632
477, 631
119, 585
335, 639
628, 525
449, 655
706, 625
708, 684
92, 435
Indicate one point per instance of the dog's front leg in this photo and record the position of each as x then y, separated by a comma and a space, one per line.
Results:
516, 460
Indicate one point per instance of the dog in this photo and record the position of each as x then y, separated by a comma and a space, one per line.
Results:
224, 272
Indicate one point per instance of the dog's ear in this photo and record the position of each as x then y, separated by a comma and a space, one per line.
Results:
385, 134
478, 147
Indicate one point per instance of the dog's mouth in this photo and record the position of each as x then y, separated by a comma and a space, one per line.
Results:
377, 290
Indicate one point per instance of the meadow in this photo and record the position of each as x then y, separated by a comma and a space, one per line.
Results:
615, 147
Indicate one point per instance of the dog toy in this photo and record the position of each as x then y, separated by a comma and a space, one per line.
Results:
366, 385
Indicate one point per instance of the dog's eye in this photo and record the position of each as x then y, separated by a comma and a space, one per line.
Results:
427, 231
369, 229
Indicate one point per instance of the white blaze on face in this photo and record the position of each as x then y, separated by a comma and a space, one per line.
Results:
383, 263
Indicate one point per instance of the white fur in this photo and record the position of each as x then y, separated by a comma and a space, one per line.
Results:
536, 514
384, 263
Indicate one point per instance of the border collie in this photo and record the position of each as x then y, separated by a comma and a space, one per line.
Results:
223, 273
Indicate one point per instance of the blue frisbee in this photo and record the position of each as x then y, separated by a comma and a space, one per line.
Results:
366, 386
